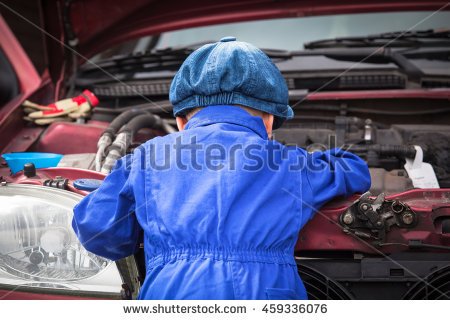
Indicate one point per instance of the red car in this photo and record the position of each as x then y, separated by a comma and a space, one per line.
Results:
369, 76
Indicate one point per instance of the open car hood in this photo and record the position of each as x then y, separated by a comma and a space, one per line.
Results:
94, 25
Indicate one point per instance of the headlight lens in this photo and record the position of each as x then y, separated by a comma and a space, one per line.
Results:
38, 245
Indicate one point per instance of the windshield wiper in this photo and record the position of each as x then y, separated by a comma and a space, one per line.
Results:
169, 58
423, 38
150, 60
154, 58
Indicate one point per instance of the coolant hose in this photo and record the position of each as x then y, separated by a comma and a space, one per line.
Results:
122, 120
109, 134
143, 121
125, 136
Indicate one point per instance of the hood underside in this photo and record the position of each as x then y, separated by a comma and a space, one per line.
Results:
96, 24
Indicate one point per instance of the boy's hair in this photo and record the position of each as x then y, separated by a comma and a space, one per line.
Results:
257, 113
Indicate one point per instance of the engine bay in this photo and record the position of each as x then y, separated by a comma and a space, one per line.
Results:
346, 239
385, 137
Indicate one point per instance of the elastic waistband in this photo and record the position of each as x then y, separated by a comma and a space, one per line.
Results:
262, 256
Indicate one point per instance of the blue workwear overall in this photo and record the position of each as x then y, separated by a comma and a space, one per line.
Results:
220, 205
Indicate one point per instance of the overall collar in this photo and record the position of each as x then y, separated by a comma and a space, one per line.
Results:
227, 114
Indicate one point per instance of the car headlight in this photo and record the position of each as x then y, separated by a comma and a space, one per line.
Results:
38, 247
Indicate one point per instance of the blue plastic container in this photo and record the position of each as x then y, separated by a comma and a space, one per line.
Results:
17, 160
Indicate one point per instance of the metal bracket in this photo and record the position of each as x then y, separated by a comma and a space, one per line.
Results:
372, 218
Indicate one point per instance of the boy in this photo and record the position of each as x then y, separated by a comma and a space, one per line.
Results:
220, 204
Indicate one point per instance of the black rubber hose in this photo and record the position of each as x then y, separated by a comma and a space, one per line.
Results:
146, 120
122, 120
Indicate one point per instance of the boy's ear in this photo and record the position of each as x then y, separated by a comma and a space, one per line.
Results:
268, 123
181, 123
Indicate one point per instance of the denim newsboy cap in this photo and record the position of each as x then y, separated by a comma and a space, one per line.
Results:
230, 72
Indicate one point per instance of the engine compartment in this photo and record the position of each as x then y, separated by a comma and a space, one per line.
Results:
342, 253
383, 144
383, 147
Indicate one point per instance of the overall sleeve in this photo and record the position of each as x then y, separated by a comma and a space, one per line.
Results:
104, 221
334, 173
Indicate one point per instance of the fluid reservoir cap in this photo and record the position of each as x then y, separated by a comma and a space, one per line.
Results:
87, 184
29, 170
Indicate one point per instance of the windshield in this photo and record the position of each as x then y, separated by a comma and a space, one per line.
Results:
290, 33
